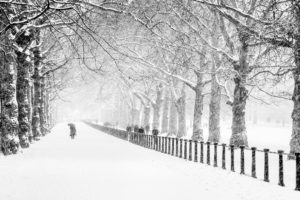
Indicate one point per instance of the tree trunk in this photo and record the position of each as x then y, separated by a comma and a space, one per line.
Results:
215, 91
135, 116
23, 65
147, 110
36, 121
157, 107
30, 111
214, 110
198, 109
239, 136
295, 140
165, 115
47, 110
9, 108
181, 108
42, 109
173, 121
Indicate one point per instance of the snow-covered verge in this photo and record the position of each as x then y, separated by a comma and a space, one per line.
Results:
99, 166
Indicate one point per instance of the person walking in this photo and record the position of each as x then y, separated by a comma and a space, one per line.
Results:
72, 130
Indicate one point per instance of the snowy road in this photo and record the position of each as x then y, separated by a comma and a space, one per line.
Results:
99, 166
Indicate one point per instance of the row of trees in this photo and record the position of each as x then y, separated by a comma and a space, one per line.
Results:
227, 50
39, 42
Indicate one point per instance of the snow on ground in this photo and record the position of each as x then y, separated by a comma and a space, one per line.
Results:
99, 166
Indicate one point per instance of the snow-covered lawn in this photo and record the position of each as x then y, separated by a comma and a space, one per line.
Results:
98, 166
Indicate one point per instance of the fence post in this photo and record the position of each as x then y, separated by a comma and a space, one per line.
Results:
297, 171
208, 153
185, 148
215, 154
196, 151
232, 157
169, 145
223, 156
266, 170
242, 159
176, 147
166, 145
190, 150
281, 179
158, 143
201, 151
162, 144
173, 141
253, 168
180, 150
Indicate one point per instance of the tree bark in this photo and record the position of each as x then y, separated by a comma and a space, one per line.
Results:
9, 109
165, 115
295, 140
157, 107
198, 109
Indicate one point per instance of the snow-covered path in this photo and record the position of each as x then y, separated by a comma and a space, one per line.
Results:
99, 166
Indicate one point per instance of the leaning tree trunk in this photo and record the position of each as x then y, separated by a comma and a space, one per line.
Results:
295, 140
165, 115
173, 121
9, 109
181, 108
214, 110
198, 109
157, 107
238, 128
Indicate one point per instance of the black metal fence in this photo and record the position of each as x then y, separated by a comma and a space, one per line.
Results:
193, 150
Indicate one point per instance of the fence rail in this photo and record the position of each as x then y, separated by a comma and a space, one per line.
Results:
193, 150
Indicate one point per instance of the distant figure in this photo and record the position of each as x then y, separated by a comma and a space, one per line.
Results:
72, 130
141, 130
141, 135
155, 134
136, 129
128, 128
